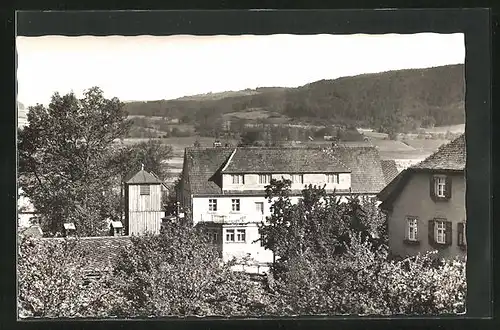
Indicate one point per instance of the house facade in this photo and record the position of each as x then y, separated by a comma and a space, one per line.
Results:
223, 189
425, 204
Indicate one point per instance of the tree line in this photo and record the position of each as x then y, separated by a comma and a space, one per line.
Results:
397, 101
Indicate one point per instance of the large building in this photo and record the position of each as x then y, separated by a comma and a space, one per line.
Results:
223, 189
425, 204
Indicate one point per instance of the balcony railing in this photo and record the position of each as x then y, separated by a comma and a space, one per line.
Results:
232, 218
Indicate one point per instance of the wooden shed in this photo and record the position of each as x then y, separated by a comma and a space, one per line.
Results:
143, 203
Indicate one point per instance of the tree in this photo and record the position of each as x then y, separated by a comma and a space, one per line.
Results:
63, 156
179, 273
52, 283
250, 137
153, 154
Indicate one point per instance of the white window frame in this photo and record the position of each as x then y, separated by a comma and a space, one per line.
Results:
298, 178
259, 207
212, 205
440, 183
238, 178
230, 235
235, 205
332, 178
440, 231
241, 235
265, 178
144, 190
412, 228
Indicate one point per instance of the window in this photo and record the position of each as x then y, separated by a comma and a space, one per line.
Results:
212, 205
440, 232
144, 190
332, 178
412, 229
440, 186
259, 207
230, 235
212, 236
238, 179
264, 178
461, 238
235, 205
240, 235
297, 178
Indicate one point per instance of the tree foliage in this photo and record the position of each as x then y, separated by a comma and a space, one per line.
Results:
63, 154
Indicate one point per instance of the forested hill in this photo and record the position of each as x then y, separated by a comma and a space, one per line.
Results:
395, 98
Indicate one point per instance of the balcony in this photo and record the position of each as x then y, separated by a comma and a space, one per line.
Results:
231, 218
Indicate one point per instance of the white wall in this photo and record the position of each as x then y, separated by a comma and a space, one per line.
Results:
241, 249
252, 181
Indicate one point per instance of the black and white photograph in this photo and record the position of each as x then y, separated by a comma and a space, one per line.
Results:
278, 175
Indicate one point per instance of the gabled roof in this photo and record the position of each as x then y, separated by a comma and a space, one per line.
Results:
284, 160
450, 157
144, 177
204, 167
390, 170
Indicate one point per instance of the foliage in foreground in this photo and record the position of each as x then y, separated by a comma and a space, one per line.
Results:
179, 273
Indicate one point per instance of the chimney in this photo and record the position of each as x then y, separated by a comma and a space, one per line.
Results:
69, 229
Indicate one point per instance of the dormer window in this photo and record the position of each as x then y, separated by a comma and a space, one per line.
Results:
332, 178
298, 178
264, 178
238, 179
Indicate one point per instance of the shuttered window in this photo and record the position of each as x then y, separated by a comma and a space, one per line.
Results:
264, 178
440, 187
440, 232
461, 238
144, 189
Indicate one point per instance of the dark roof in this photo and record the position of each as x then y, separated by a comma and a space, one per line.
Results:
204, 166
390, 170
283, 160
450, 156
100, 253
144, 177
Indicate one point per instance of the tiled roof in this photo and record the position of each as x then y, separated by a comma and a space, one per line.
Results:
365, 164
283, 160
144, 177
100, 253
450, 156
390, 170
204, 166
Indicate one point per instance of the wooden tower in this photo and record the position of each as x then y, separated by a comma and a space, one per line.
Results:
143, 203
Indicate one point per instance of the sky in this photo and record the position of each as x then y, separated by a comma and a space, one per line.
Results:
143, 68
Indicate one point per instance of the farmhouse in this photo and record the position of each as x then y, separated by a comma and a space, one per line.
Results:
223, 189
425, 204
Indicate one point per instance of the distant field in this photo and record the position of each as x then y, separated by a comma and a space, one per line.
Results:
390, 145
443, 129
422, 144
